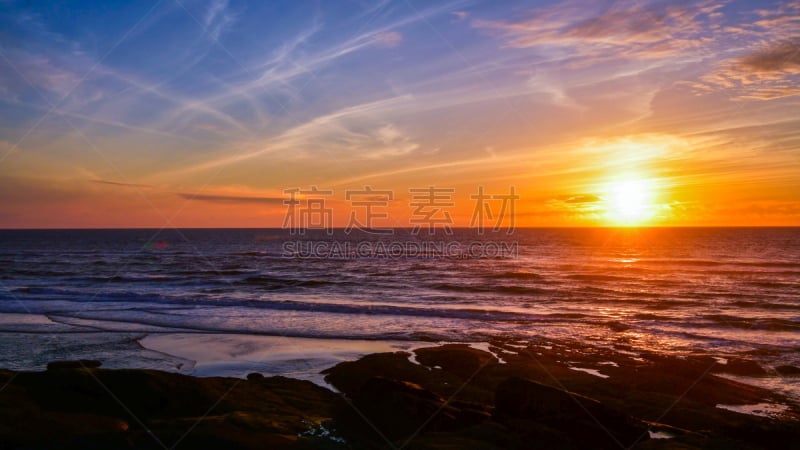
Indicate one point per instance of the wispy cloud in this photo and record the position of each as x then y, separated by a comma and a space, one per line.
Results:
770, 71
777, 57
263, 85
460, 15
42, 72
255, 96
232, 199
768, 64
218, 18
389, 39
578, 198
625, 30
319, 136
120, 184
7, 147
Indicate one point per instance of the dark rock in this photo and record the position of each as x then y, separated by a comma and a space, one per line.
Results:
350, 376
470, 413
744, 367
254, 376
458, 359
76, 364
469, 401
400, 409
464, 372
787, 370
152, 410
578, 417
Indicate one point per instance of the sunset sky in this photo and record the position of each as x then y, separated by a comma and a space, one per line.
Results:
201, 113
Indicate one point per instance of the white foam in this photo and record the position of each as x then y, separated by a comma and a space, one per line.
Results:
486, 347
789, 387
412, 358
660, 435
758, 409
483, 346
590, 371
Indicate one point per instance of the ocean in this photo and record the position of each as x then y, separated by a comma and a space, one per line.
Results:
224, 301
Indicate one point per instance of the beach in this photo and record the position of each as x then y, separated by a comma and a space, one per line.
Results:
400, 224
547, 393
674, 336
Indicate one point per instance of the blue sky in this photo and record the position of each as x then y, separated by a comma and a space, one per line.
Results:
244, 99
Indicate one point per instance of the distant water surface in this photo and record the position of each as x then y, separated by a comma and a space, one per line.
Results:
725, 291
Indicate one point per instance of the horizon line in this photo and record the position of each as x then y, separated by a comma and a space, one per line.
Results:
622, 227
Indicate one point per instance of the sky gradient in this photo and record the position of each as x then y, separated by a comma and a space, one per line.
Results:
202, 113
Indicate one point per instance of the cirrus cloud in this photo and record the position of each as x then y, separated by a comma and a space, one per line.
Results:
621, 31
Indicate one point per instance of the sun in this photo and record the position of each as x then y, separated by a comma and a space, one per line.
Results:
629, 201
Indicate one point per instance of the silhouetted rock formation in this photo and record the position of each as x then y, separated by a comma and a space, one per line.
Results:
545, 394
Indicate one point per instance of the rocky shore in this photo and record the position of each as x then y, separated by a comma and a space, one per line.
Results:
505, 395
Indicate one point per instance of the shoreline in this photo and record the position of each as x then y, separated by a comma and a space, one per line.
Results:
227, 354
237, 354
431, 394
